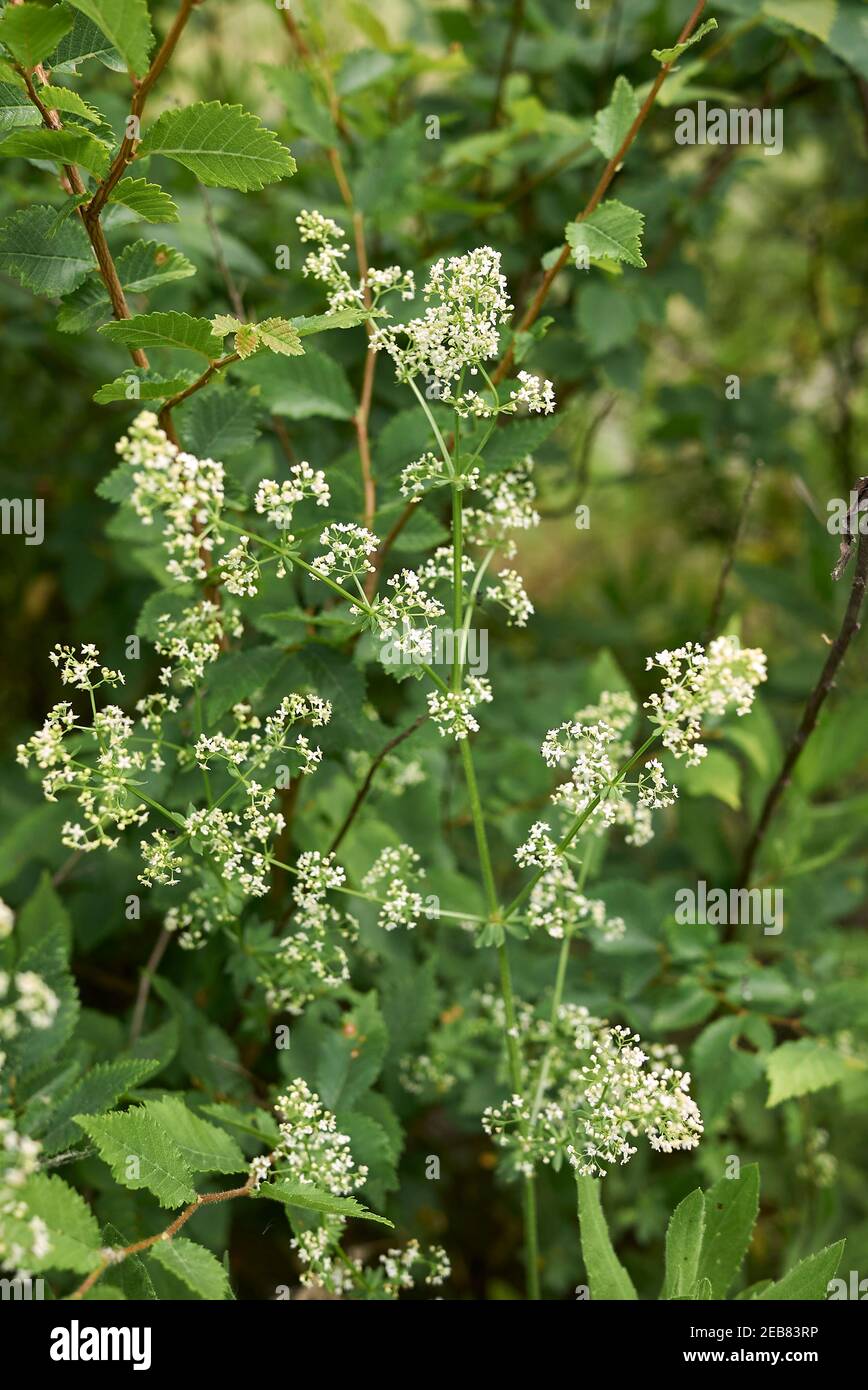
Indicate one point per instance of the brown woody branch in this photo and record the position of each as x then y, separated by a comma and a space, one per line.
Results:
850, 625
364, 789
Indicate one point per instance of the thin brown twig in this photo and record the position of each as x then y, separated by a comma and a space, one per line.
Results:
850, 625
118, 1256
365, 788
729, 558
145, 981
534, 308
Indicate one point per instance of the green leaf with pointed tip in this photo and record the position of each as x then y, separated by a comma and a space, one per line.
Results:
206, 1147
72, 145
612, 232
806, 1065
684, 1246
195, 1266
607, 1277
31, 32
73, 1235
309, 1199
311, 385
165, 330
16, 108
65, 99
810, 1277
149, 386
612, 123
224, 146
669, 55
731, 1208
97, 1091
127, 26
219, 422
279, 336
141, 1154
141, 267
147, 200
320, 323
84, 41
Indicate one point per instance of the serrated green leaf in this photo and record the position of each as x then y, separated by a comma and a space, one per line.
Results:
224, 146
149, 386
731, 1208
684, 1246
305, 111
127, 26
42, 259
309, 1199
206, 1148
800, 1067
809, 1279
72, 1230
31, 32
84, 41
280, 336
669, 55
65, 99
141, 1154
240, 676
613, 231
72, 145
218, 423
195, 1266
607, 1277
96, 1092
141, 267
613, 122
148, 200
321, 323
165, 330
313, 385
16, 108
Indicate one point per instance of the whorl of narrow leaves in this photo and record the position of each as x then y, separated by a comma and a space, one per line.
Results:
224, 146
127, 26
31, 32
613, 232
46, 260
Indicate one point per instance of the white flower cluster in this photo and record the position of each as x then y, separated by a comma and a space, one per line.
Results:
594, 745
509, 592
188, 492
539, 849
34, 1004
461, 327
402, 905
452, 711
535, 395
277, 501
194, 640
7, 920
312, 1151
106, 801
506, 504
312, 958
326, 265
24, 1237
199, 916
347, 549
404, 617
399, 1264
557, 906
699, 684
595, 1090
